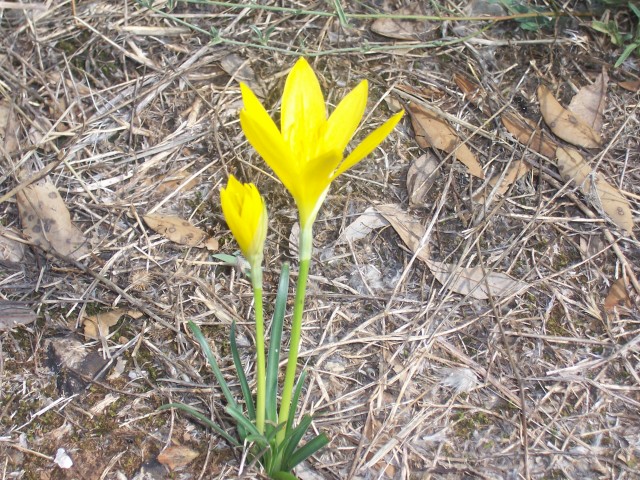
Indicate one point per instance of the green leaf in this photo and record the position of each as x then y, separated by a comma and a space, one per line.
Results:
228, 259
625, 54
293, 439
204, 345
204, 419
244, 385
294, 402
310, 448
283, 476
275, 345
251, 429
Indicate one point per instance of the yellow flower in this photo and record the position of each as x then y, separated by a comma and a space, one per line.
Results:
307, 153
246, 214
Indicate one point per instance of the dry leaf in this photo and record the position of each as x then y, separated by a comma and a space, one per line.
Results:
401, 29
564, 123
13, 314
240, 69
588, 104
529, 135
461, 280
420, 178
432, 131
180, 231
630, 85
176, 456
606, 198
516, 170
8, 127
171, 181
472, 91
473, 281
11, 251
97, 326
46, 221
407, 226
617, 296
361, 226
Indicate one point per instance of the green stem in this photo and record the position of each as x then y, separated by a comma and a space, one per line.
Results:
261, 380
306, 245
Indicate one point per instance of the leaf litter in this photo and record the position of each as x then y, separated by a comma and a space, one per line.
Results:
434, 132
46, 220
565, 124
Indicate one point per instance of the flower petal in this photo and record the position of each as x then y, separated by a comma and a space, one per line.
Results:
303, 114
345, 119
263, 135
317, 179
369, 144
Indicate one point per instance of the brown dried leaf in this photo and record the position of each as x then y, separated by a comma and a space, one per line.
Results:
606, 198
529, 135
407, 226
515, 171
564, 123
169, 182
97, 326
176, 456
618, 296
473, 281
420, 178
432, 131
46, 220
8, 127
13, 314
630, 85
180, 231
11, 251
588, 104
361, 227
459, 279
472, 91
401, 29
240, 69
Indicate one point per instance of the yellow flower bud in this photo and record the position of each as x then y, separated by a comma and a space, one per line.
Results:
246, 215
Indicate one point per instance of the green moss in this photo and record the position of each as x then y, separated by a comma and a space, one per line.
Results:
555, 320
467, 423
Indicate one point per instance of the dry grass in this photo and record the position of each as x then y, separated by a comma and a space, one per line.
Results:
131, 113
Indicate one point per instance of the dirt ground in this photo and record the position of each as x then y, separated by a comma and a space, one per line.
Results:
453, 330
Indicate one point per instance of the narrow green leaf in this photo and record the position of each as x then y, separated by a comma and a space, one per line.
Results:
344, 21
294, 402
204, 345
204, 419
275, 345
311, 447
625, 54
246, 391
228, 259
283, 476
294, 437
251, 429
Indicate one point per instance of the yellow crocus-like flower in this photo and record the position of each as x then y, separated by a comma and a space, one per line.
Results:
307, 153
246, 214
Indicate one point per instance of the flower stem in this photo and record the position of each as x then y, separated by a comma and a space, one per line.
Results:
306, 244
261, 375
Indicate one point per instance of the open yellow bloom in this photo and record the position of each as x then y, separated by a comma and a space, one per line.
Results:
246, 214
307, 153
